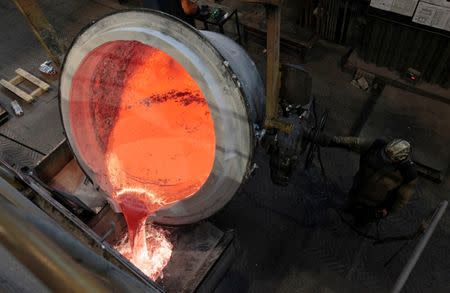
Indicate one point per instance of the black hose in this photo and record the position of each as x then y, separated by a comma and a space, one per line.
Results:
313, 146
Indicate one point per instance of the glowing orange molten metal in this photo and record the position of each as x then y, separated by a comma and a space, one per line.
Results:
143, 127
155, 253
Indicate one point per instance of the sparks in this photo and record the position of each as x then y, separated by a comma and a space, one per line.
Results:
152, 250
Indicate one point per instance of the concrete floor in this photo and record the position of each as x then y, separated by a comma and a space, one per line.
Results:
291, 239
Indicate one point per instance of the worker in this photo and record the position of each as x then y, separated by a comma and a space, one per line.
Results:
182, 9
385, 181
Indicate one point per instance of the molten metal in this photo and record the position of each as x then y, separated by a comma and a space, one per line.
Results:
152, 250
143, 126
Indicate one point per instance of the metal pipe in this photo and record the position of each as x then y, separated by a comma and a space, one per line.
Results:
419, 248
48, 262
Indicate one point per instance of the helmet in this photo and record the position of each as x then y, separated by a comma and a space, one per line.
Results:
397, 150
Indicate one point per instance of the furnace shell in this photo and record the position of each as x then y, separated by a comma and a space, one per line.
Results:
227, 77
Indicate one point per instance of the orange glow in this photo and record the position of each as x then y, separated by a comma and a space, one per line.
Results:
154, 254
143, 126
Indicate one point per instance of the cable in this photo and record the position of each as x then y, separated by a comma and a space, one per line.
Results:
396, 253
22, 144
351, 226
313, 146
323, 122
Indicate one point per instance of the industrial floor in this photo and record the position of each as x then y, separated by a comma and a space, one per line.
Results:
291, 238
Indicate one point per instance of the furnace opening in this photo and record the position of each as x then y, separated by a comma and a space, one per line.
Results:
141, 123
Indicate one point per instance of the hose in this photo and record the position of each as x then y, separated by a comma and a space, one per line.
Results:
313, 146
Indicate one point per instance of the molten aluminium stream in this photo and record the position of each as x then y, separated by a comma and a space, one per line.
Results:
144, 125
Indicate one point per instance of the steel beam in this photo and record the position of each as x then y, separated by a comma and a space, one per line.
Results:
42, 29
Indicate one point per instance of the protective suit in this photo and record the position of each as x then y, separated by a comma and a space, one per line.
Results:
386, 179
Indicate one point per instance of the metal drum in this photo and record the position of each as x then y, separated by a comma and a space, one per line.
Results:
152, 105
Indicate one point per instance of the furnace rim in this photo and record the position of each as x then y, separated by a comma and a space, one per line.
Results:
235, 102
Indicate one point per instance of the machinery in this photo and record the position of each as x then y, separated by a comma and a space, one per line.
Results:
218, 74
133, 85
213, 75
216, 81
108, 84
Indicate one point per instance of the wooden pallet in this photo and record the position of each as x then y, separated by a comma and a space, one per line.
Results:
21, 76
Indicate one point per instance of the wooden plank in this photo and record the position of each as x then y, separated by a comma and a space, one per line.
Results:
17, 91
33, 79
273, 61
37, 92
16, 80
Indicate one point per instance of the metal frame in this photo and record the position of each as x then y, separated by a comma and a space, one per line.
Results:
55, 256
